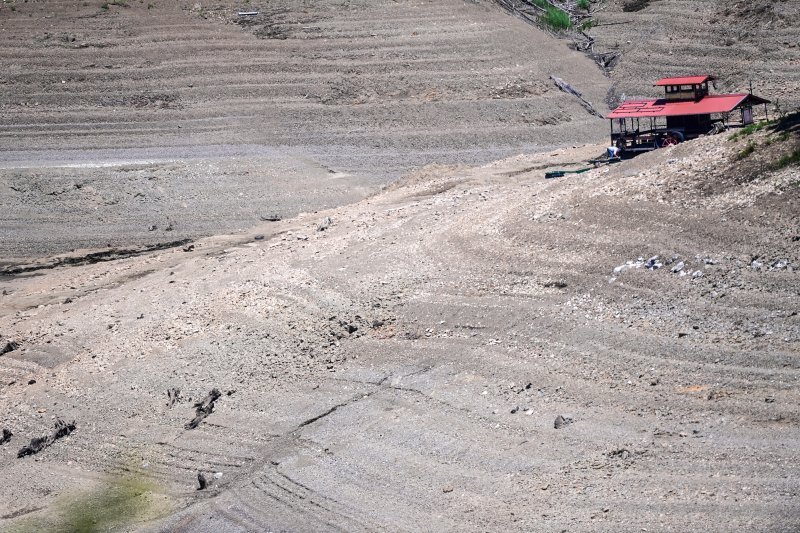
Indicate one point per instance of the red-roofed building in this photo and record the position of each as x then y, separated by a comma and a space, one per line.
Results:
685, 112
684, 80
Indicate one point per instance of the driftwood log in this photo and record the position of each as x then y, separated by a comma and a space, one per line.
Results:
567, 88
203, 408
60, 429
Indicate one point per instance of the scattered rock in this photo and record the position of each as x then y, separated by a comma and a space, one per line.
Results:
377, 323
325, 224
60, 429
10, 346
201, 481
653, 263
678, 268
447, 489
622, 453
515, 410
203, 408
562, 421
31, 382
173, 395
152, 228
697, 274
6, 436
258, 237
270, 218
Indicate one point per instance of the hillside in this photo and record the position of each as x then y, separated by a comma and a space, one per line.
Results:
302, 271
403, 367
739, 42
189, 117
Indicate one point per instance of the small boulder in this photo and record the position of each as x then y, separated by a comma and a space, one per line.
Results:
562, 421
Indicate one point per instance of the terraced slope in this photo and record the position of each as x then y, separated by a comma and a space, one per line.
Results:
365, 89
739, 42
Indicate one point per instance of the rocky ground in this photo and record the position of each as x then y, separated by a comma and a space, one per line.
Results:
470, 349
142, 114
740, 42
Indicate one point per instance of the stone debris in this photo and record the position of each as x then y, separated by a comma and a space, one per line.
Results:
203, 408
678, 268
201, 481
60, 429
7, 434
325, 224
9, 346
622, 453
562, 421
173, 395
653, 263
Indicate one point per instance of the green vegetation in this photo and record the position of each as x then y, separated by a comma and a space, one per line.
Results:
553, 17
748, 150
751, 129
121, 502
776, 139
583, 4
789, 159
150, 5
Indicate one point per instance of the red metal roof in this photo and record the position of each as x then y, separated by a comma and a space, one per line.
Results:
685, 80
718, 103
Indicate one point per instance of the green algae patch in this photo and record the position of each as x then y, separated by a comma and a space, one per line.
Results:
116, 503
